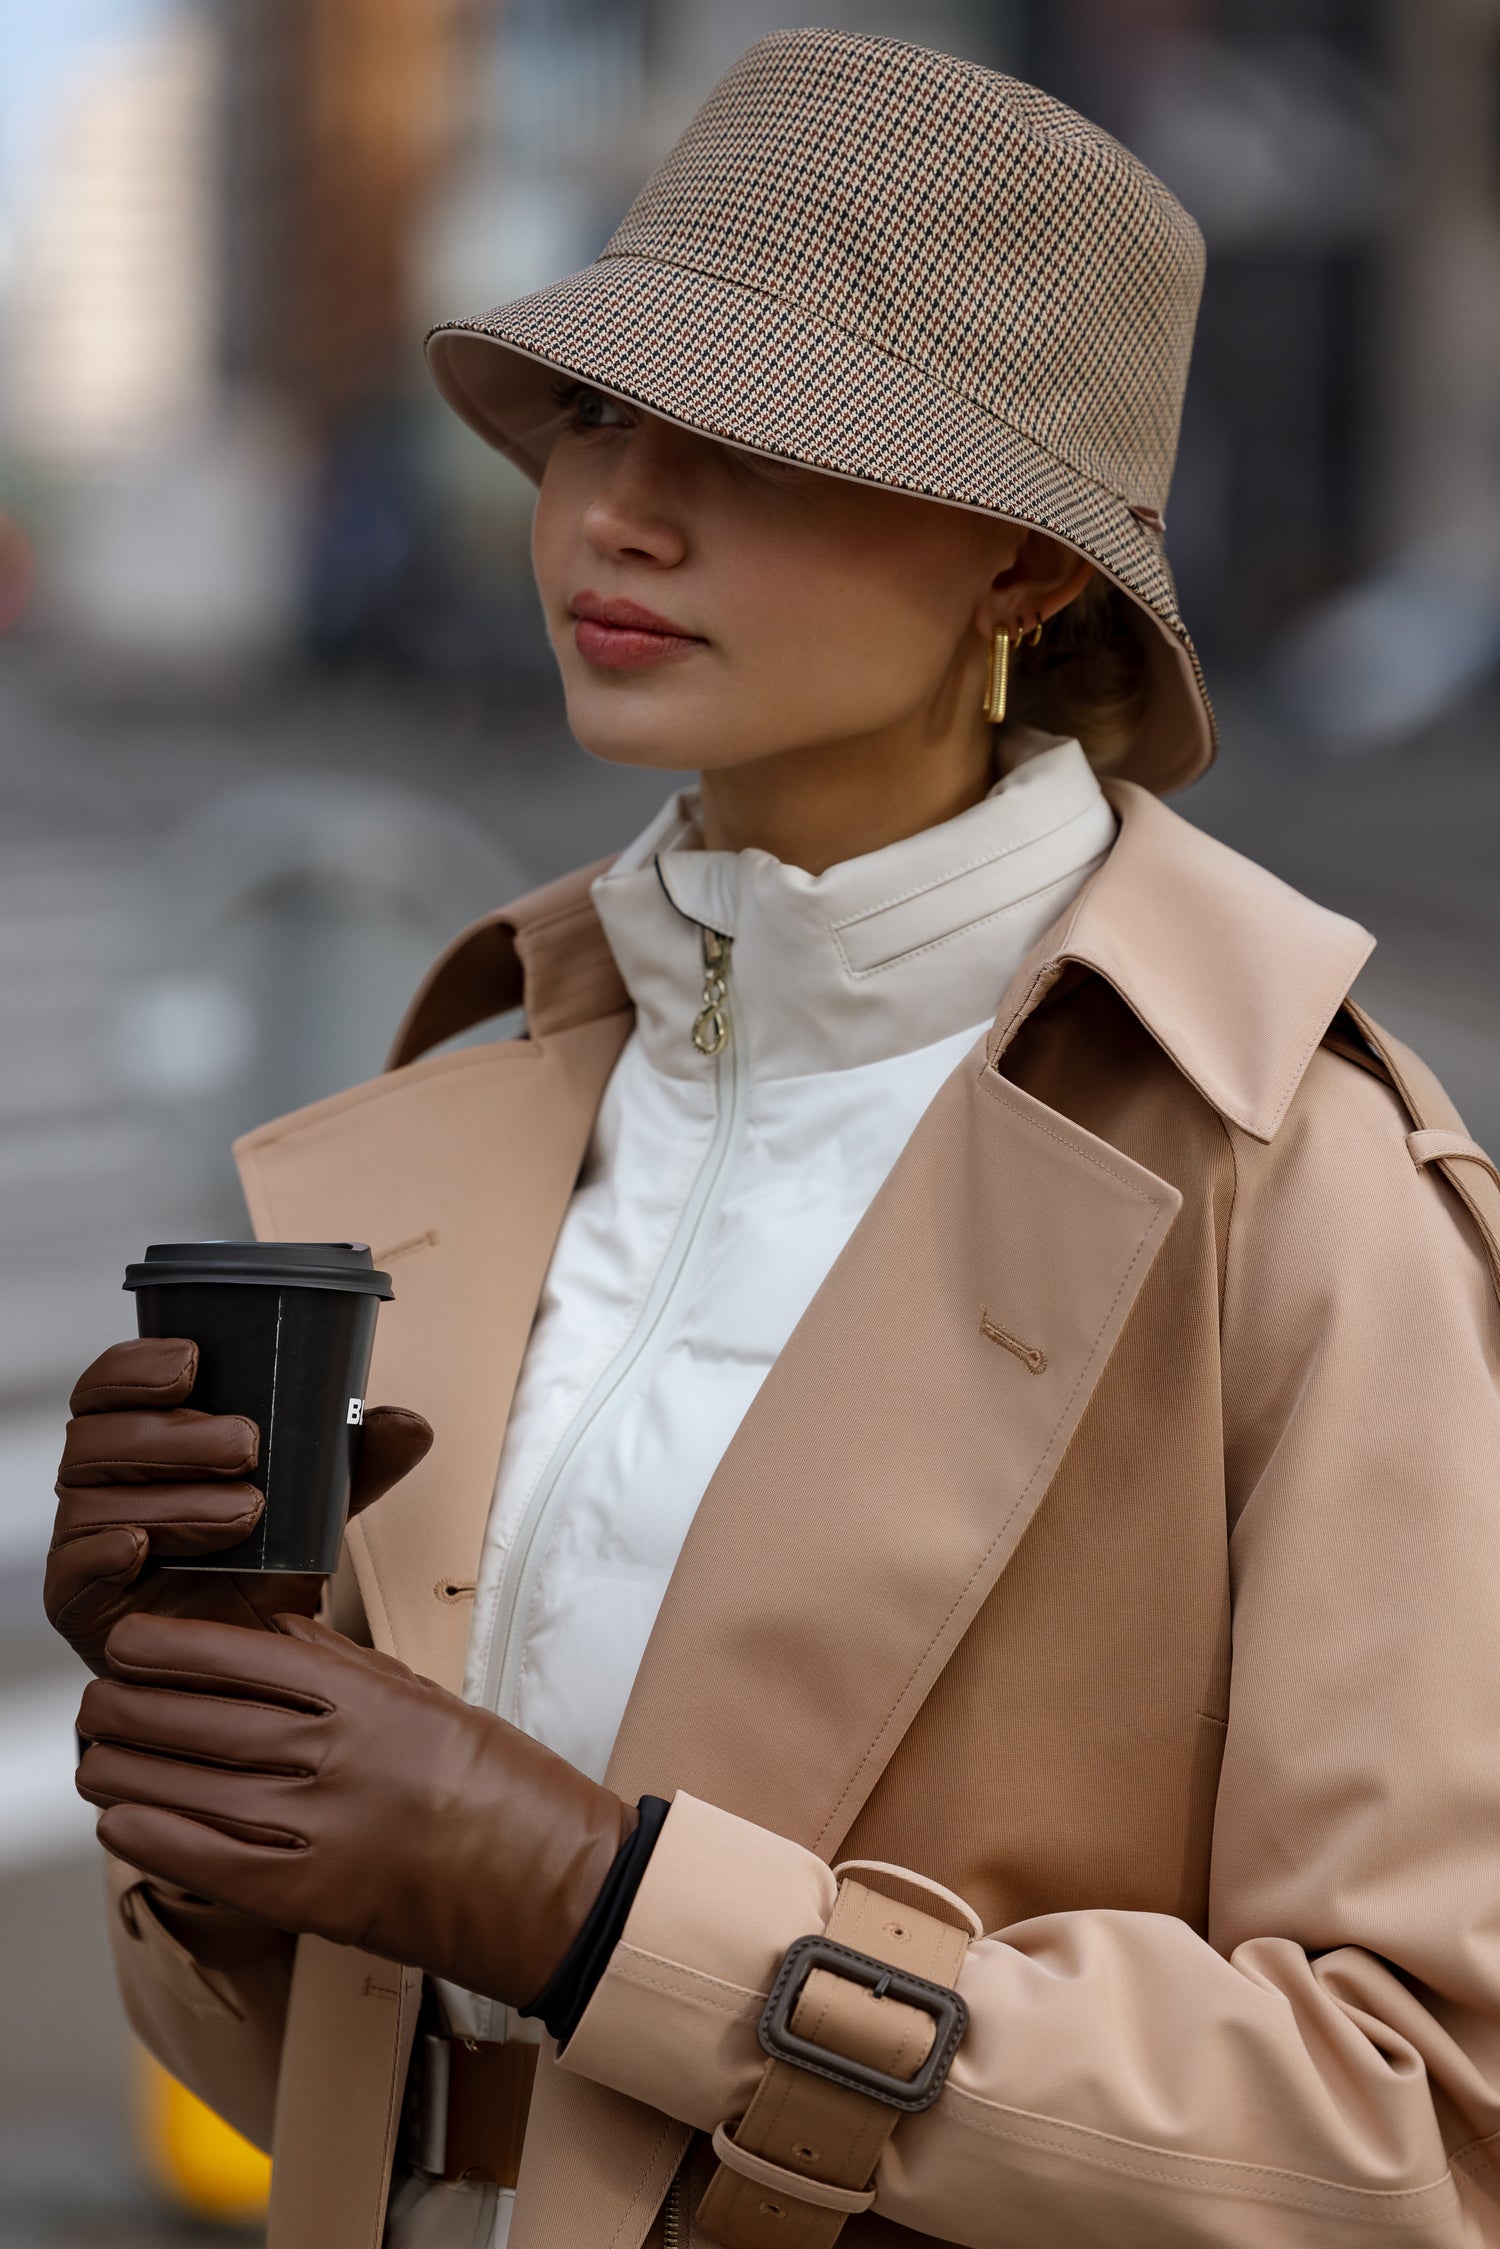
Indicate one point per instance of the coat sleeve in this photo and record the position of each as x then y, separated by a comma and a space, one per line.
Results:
205, 1991
1323, 2066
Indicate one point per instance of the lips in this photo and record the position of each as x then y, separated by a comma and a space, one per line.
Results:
622, 635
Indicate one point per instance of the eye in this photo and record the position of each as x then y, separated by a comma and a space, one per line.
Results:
585, 408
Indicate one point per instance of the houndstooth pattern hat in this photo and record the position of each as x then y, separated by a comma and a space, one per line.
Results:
893, 265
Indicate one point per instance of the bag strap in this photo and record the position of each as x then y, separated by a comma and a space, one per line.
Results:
1439, 1141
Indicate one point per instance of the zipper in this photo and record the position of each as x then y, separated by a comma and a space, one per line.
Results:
713, 1037
711, 1031
671, 2216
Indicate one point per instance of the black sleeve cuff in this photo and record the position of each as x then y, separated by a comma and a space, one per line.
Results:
560, 2006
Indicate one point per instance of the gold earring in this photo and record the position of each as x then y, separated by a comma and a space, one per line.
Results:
997, 685
1035, 634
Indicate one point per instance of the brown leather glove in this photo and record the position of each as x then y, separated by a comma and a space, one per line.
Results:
323, 1787
143, 1475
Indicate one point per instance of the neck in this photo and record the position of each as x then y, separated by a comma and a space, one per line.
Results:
814, 808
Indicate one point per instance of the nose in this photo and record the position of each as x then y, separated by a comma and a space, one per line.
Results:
638, 513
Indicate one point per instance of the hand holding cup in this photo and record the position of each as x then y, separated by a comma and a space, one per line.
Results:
146, 1480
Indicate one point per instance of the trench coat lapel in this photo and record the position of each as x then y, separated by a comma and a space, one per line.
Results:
891, 1463
457, 1170
911, 1426
869, 1502
457, 1173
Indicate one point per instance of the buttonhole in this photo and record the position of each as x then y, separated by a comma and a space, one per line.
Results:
1034, 1360
805, 2154
404, 1249
894, 1929
772, 2210
451, 1589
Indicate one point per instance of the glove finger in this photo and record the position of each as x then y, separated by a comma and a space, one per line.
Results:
150, 1448
392, 1442
316, 1634
197, 1858
149, 1370
215, 1730
255, 1807
84, 1577
197, 1656
178, 1519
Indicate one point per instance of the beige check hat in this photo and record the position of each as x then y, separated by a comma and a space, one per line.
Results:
889, 264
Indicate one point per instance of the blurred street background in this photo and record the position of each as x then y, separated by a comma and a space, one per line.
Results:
276, 709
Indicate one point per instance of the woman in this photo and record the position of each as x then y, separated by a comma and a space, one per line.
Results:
946, 1268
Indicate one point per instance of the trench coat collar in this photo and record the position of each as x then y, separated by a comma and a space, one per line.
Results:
547, 952
1234, 974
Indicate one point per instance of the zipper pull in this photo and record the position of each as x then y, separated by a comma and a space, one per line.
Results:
711, 1031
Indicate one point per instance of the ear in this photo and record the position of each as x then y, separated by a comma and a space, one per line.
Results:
1045, 576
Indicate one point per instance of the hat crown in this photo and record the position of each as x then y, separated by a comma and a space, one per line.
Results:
956, 219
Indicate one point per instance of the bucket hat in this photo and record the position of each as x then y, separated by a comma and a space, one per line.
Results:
889, 264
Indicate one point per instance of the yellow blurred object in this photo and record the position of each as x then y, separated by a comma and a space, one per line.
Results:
193, 2156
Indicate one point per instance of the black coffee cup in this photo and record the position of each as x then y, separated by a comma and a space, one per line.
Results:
284, 1333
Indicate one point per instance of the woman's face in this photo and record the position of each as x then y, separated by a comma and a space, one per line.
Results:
710, 608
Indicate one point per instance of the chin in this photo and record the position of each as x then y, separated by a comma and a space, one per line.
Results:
637, 732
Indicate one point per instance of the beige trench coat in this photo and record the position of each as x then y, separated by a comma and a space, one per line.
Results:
1169, 1640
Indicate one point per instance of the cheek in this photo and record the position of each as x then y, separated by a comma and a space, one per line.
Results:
863, 601
556, 533
544, 527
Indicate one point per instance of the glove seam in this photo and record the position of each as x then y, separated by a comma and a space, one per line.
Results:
123, 1390
167, 1523
307, 1704
138, 1460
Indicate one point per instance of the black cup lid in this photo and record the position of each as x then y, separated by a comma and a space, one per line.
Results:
330, 1265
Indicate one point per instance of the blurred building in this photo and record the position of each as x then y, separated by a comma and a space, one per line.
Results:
1440, 317
340, 117
1270, 118
112, 318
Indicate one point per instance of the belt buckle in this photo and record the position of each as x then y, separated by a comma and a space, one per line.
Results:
911, 2094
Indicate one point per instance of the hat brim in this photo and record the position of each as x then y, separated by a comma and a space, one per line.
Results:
755, 371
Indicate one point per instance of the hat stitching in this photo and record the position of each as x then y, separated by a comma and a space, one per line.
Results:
476, 324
